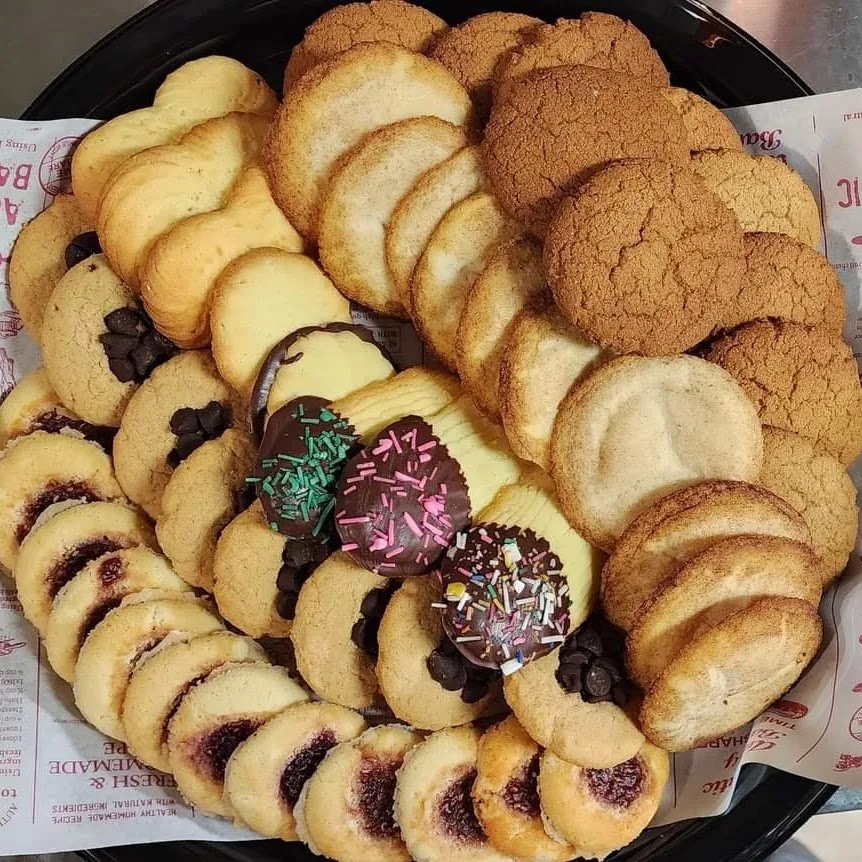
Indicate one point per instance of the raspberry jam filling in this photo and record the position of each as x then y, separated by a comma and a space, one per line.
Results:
521, 793
216, 747
302, 765
76, 557
455, 813
375, 796
619, 786
53, 492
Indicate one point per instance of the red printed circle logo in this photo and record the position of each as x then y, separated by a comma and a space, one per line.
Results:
55, 170
855, 727
789, 709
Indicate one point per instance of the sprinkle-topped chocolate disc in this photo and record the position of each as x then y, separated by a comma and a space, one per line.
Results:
302, 454
401, 500
506, 600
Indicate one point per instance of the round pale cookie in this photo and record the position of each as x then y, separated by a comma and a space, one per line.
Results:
97, 589
764, 193
419, 212
201, 497
345, 810
335, 31
602, 810
158, 684
819, 488
543, 356
707, 128
266, 773
261, 297
731, 673
116, 645
42, 470
644, 259
361, 196
337, 104
727, 577
214, 717
457, 252
39, 258
511, 280
552, 129
800, 378
678, 527
54, 552
410, 632
33, 405
637, 429
145, 441
595, 39
433, 805
506, 795
474, 49
327, 656
788, 279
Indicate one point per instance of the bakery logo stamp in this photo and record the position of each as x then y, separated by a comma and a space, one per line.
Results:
767, 140
789, 709
55, 170
10, 323
848, 761
7, 372
9, 645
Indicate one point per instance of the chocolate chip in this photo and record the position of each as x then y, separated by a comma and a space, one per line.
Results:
163, 345
575, 658
125, 321
570, 678
620, 694
145, 356
447, 669
187, 443
364, 635
300, 553
212, 419
447, 647
286, 605
243, 498
84, 245
117, 346
290, 580
374, 604
474, 690
184, 421
589, 639
122, 369
173, 460
598, 682
612, 667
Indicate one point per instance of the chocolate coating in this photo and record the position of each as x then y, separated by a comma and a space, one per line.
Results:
507, 601
455, 812
302, 764
277, 359
619, 786
401, 500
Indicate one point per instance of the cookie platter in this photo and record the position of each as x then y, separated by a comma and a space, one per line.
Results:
185, 461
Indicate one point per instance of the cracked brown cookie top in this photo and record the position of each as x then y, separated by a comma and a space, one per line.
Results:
345, 26
473, 50
552, 129
764, 193
595, 39
707, 127
800, 378
644, 259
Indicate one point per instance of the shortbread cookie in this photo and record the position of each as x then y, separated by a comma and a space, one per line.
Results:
362, 194
668, 266
97, 344
158, 684
155, 433
727, 577
39, 258
116, 645
706, 126
41, 470
543, 356
457, 252
154, 190
764, 193
182, 266
595, 39
473, 50
266, 773
260, 298
801, 378
601, 810
197, 91
729, 674
33, 405
618, 445
419, 212
433, 805
328, 113
328, 658
97, 589
511, 280
788, 279
678, 527
345, 810
506, 795
335, 31
54, 552
818, 487
214, 717
410, 663
202, 495
550, 130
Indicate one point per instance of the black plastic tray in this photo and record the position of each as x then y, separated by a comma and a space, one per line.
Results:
704, 52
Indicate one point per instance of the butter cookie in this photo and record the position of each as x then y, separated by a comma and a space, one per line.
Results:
707, 128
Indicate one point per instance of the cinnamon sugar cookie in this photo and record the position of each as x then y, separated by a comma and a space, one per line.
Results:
800, 378
644, 259
707, 128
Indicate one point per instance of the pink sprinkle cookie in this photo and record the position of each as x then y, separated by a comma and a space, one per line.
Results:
401, 500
